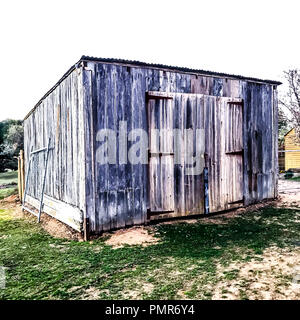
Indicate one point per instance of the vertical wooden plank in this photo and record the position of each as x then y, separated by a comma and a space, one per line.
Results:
139, 106
177, 153
129, 217
181, 108
120, 107
275, 140
82, 143
89, 148
100, 169
199, 179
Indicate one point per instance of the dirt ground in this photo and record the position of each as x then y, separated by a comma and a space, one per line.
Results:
289, 193
131, 236
54, 227
275, 277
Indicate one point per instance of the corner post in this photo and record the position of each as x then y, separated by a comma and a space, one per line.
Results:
87, 170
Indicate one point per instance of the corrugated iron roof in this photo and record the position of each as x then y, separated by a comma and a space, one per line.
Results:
152, 65
175, 68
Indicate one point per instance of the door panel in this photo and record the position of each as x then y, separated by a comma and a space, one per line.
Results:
233, 127
233, 132
161, 155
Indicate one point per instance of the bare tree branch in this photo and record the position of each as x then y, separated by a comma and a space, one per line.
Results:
292, 99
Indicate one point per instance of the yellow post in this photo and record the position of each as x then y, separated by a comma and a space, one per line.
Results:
21, 174
19, 178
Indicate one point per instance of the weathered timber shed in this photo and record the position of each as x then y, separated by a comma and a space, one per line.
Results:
237, 115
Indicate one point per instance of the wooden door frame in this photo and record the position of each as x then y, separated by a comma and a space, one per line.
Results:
154, 95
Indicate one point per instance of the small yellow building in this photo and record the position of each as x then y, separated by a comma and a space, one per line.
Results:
292, 158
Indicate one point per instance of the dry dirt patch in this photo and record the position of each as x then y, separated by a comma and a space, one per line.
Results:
142, 288
10, 202
131, 236
268, 279
52, 226
91, 294
289, 192
11, 199
58, 229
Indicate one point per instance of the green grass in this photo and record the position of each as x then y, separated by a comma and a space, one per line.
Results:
39, 266
7, 192
8, 177
296, 179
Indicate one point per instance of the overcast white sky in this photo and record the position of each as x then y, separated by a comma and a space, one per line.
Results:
40, 40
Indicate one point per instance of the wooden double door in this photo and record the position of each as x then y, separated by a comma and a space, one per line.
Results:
174, 188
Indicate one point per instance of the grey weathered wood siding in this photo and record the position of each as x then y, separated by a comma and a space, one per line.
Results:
58, 116
118, 91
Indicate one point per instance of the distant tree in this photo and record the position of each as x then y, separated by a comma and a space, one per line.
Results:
7, 158
4, 127
15, 137
283, 126
11, 142
291, 101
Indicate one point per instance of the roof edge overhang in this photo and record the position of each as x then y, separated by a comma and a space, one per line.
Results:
52, 89
178, 69
133, 63
289, 131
